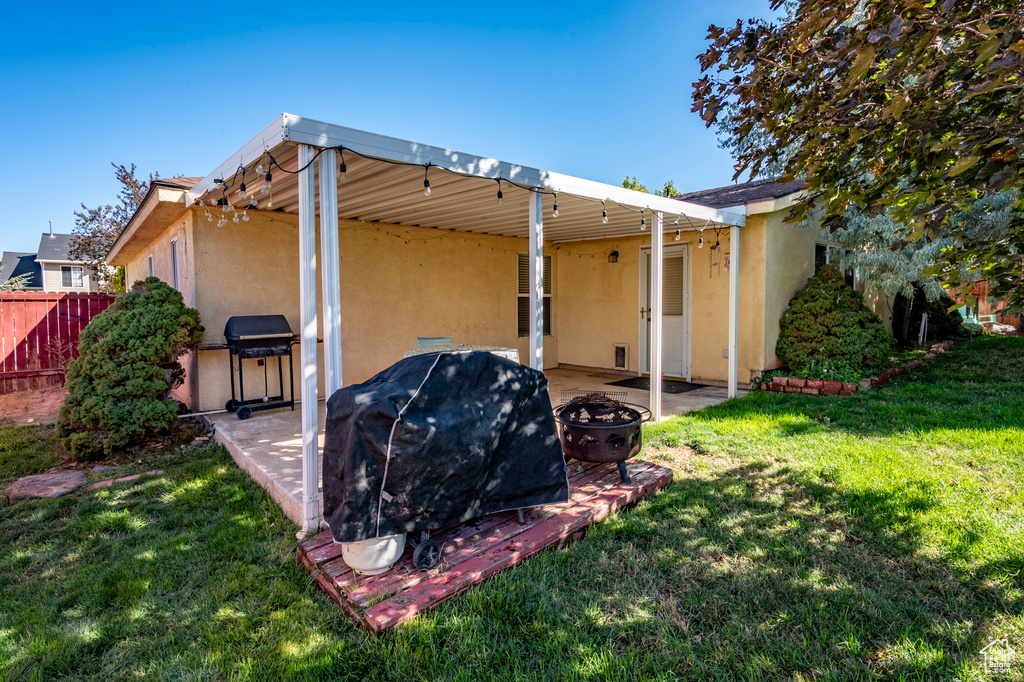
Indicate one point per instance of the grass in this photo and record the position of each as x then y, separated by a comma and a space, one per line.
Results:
877, 536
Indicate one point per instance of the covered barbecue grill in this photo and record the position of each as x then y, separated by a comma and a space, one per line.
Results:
260, 337
436, 440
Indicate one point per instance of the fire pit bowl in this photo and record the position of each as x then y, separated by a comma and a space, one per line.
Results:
595, 428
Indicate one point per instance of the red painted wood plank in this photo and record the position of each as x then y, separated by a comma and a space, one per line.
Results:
403, 607
21, 332
35, 333
469, 539
51, 355
6, 334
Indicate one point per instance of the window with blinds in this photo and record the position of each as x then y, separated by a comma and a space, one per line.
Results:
524, 295
672, 286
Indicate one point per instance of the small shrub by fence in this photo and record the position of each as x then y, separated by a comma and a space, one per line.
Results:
39, 335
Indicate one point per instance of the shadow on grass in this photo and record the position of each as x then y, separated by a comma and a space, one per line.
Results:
975, 386
737, 571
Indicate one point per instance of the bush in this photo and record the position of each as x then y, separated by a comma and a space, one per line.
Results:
972, 330
943, 323
828, 324
119, 385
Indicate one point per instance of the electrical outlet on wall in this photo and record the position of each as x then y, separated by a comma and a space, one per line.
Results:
725, 352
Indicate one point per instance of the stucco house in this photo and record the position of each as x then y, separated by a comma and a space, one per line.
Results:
412, 240
50, 268
400, 280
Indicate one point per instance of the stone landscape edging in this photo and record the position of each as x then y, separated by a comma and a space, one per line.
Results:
827, 387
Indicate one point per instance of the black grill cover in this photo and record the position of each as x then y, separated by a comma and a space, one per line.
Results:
478, 437
258, 336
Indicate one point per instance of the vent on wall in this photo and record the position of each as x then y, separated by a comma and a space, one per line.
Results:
621, 356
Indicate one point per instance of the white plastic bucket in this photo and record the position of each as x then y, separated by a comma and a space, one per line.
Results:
373, 556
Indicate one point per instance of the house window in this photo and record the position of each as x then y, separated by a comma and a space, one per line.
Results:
151, 265
826, 254
174, 264
71, 276
524, 295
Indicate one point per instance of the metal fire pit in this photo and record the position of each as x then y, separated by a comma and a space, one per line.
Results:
595, 428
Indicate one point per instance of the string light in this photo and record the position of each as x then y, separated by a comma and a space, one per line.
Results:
252, 201
679, 235
426, 181
604, 212
643, 220
245, 216
241, 190
342, 168
700, 242
267, 180
501, 197
554, 213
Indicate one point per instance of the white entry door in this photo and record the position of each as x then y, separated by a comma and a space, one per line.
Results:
675, 356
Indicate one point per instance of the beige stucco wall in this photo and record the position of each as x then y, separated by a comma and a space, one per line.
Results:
402, 282
790, 262
397, 283
598, 302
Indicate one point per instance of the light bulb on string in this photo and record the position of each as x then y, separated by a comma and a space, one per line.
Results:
209, 216
342, 168
604, 212
245, 216
679, 235
501, 197
252, 201
643, 220
554, 212
700, 241
426, 181
267, 179
235, 219
241, 190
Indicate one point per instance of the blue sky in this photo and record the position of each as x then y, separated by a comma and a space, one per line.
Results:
595, 89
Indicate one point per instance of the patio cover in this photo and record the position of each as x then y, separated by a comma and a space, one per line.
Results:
384, 183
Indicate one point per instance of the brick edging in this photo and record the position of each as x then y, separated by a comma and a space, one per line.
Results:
827, 387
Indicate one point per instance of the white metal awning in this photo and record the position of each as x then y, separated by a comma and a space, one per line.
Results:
384, 184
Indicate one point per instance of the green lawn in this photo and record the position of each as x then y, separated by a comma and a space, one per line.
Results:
804, 538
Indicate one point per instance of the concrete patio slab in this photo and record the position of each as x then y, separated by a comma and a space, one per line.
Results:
268, 446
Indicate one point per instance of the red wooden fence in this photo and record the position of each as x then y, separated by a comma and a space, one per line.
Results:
39, 335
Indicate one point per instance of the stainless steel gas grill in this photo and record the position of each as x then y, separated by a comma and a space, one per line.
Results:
259, 337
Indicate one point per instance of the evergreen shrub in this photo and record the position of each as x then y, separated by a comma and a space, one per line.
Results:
119, 386
827, 324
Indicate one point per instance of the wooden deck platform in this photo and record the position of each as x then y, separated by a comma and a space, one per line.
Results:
473, 551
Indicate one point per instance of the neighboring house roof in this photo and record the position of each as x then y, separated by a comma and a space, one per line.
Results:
54, 247
17, 264
177, 183
741, 194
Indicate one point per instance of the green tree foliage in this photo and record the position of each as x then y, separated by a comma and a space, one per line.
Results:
96, 229
119, 385
943, 323
14, 283
828, 324
668, 190
909, 107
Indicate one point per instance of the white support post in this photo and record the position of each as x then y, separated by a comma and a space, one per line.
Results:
657, 294
330, 271
311, 495
537, 280
734, 307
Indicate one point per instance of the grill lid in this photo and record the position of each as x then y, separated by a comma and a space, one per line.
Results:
253, 327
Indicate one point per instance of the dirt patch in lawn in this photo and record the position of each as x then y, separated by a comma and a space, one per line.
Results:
38, 406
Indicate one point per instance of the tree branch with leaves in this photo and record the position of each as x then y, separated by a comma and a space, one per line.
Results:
96, 229
900, 107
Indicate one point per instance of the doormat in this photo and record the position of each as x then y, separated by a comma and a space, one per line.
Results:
667, 385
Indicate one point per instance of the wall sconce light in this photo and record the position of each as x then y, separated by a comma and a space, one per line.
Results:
613, 257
